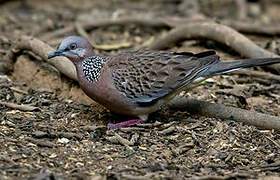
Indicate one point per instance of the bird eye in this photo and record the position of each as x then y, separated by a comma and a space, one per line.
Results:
73, 46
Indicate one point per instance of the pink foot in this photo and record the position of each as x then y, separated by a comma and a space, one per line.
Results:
123, 124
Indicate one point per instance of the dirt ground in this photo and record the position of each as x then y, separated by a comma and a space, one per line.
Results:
65, 135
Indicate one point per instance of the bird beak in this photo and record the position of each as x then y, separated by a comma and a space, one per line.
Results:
55, 53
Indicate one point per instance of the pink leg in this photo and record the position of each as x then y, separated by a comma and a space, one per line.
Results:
123, 124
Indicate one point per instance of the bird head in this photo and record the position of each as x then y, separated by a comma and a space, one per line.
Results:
75, 48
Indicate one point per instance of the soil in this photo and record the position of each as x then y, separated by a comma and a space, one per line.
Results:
65, 135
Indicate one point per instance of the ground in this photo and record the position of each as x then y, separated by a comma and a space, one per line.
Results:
65, 136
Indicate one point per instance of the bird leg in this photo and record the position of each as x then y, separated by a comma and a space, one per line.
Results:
123, 124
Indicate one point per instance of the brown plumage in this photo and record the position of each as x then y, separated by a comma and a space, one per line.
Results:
136, 83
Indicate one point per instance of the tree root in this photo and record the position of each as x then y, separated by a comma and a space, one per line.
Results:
220, 33
140, 21
253, 28
41, 49
165, 22
213, 31
190, 28
226, 113
204, 108
260, 74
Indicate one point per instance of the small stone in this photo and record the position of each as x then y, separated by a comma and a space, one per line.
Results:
63, 140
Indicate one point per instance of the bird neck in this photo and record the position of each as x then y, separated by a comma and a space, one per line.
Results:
91, 68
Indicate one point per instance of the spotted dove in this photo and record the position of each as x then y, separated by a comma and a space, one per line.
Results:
136, 83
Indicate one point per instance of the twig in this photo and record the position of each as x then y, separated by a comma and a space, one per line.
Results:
42, 143
167, 131
94, 128
226, 177
132, 177
118, 139
223, 112
260, 74
68, 135
150, 125
254, 28
19, 90
275, 164
241, 9
133, 129
220, 33
59, 32
81, 31
274, 142
22, 107
108, 47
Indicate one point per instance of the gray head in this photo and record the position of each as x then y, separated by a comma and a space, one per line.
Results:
75, 48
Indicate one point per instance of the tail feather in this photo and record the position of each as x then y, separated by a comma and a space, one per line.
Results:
228, 66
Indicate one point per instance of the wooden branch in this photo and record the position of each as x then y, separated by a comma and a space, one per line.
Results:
42, 49
172, 22
217, 32
241, 9
165, 22
213, 31
226, 113
254, 28
260, 74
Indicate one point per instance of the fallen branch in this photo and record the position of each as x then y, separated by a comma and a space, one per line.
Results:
167, 22
260, 74
227, 113
213, 31
164, 22
254, 28
217, 32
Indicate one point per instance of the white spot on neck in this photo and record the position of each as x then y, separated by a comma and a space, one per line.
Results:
92, 67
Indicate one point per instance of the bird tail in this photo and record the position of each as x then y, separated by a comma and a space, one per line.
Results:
228, 66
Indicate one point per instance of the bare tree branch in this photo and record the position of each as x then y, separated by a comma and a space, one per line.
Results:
217, 32
226, 113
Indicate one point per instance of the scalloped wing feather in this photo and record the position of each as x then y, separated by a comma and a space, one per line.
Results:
145, 77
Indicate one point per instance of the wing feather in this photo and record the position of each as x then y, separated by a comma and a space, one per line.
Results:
146, 76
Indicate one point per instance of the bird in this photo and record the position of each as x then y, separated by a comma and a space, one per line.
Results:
137, 83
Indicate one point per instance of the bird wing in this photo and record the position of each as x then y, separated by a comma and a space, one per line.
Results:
146, 76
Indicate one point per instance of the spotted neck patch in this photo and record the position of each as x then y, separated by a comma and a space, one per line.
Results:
92, 68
